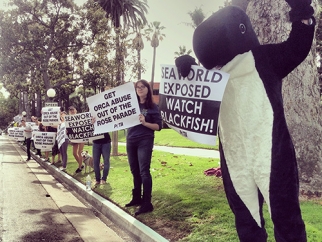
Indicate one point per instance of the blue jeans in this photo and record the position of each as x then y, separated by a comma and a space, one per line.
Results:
63, 153
104, 150
139, 155
28, 144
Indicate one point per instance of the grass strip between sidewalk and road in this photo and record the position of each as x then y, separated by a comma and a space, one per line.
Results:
188, 206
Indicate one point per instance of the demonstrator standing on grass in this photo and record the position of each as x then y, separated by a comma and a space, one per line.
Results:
139, 146
77, 147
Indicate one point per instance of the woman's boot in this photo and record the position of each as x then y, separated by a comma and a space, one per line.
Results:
146, 206
136, 199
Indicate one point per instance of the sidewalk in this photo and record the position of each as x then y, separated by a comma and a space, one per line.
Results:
128, 223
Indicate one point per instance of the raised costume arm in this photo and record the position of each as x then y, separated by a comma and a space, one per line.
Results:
300, 9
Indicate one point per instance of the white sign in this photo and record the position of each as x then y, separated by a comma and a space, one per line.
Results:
80, 128
51, 104
34, 128
50, 116
11, 133
20, 134
61, 131
17, 133
44, 141
191, 105
115, 109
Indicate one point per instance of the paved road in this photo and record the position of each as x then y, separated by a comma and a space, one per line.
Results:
35, 207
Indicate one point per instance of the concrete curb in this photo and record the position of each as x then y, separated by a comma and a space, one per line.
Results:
128, 223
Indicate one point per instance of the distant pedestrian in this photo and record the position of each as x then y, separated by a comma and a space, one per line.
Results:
27, 134
43, 128
139, 147
54, 150
36, 121
63, 147
101, 147
77, 147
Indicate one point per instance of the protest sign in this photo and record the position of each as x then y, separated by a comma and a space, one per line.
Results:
50, 116
80, 128
61, 131
115, 109
44, 141
11, 133
191, 105
20, 134
34, 128
17, 118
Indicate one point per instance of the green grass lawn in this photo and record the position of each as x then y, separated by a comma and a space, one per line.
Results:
189, 206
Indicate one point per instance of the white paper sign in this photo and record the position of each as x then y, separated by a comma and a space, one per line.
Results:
80, 128
114, 109
44, 141
34, 128
61, 131
20, 134
50, 116
17, 134
11, 133
191, 105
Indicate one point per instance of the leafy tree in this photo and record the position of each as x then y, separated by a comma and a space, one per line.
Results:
8, 109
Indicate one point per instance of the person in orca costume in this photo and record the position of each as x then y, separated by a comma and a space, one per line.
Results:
257, 154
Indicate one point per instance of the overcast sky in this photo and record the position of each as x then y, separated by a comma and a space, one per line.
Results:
172, 14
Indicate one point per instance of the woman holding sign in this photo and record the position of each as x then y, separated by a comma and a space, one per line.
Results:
77, 147
139, 146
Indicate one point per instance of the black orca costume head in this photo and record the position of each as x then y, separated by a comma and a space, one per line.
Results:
216, 42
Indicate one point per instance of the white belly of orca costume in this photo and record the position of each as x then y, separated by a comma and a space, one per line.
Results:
245, 130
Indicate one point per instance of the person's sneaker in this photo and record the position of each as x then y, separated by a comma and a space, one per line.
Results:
62, 168
103, 182
28, 159
78, 170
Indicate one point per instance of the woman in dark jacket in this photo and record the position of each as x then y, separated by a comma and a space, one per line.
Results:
139, 146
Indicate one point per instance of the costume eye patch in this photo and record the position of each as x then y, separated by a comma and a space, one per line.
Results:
242, 28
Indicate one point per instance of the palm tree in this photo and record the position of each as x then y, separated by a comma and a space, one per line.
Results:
138, 45
182, 51
156, 28
197, 16
132, 12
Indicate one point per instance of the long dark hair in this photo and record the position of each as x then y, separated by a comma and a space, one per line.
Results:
149, 98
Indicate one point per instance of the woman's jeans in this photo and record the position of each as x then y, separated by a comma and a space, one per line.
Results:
105, 151
139, 155
63, 153
28, 143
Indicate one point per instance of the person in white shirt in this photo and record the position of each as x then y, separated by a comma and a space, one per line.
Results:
27, 134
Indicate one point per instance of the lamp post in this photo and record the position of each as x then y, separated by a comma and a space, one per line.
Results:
51, 93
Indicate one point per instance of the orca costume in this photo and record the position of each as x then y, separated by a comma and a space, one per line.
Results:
257, 154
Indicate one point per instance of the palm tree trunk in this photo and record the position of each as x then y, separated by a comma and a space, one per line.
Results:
153, 67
